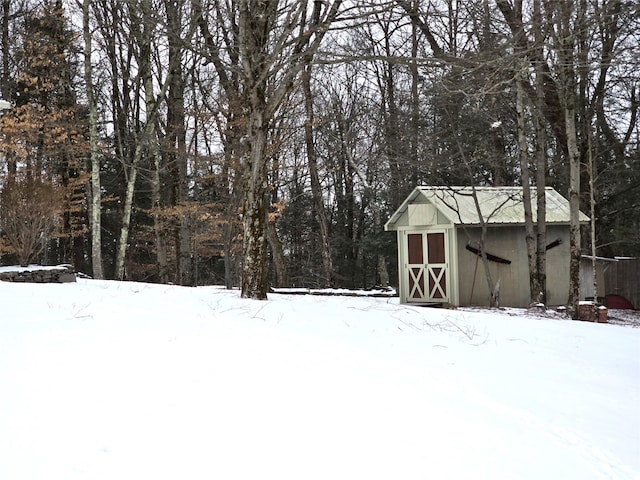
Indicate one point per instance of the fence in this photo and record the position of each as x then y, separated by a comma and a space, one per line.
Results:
623, 278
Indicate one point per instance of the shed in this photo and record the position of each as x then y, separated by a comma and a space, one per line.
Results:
438, 232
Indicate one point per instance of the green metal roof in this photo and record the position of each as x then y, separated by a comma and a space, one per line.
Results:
498, 205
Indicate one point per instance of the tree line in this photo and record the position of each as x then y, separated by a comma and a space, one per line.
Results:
264, 143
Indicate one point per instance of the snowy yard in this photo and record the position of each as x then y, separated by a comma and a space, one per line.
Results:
107, 380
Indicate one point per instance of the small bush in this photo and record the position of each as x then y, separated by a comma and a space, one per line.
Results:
28, 216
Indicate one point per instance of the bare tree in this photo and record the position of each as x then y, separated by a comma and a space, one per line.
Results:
29, 210
94, 153
316, 189
541, 155
143, 27
273, 39
534, 287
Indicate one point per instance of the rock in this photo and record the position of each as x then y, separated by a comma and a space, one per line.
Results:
39, 274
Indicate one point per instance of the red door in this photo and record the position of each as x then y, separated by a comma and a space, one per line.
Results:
427, 266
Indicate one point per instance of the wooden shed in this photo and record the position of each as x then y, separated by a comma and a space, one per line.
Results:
438, 231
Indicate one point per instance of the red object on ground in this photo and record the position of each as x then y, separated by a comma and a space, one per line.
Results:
618, 302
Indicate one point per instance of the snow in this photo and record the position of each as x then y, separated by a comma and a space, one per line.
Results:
30, 268
114, 380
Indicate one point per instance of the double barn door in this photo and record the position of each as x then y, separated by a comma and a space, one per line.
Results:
427, 267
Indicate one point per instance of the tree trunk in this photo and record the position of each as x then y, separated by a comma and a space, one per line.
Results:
541, 157
574, 213
4, 88
277, 254
316, 188
159, 228
381, 268
415, 108
176, 143
392, 139
123, 239
230, 227
121, 247
534, 288
254, 210
148, 134
494, 288
94, 153
566, 57
592, 224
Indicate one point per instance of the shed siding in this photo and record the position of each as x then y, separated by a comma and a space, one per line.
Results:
422, 214
502, 242
508, 242
442, 219
558, 266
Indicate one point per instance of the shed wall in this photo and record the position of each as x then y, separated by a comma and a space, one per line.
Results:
508, 242
421, 213
558, 266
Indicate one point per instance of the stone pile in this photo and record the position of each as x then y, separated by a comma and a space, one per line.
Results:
34, 274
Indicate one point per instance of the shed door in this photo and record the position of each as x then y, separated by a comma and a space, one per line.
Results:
427, 267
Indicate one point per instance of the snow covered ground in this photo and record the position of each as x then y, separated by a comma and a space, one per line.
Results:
128, 381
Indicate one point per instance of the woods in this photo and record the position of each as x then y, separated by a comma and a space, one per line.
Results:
259, 143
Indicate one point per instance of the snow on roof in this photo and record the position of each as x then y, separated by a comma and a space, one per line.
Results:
498, 205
